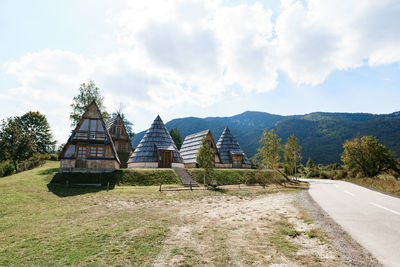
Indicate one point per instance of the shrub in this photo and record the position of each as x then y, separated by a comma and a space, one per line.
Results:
53, 157
235, 176
33, 162
123, 177
148, 177
6, 168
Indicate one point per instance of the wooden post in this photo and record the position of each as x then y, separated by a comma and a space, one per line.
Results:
160, 188
108, 185
191, 187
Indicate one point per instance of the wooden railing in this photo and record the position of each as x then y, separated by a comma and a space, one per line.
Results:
89, 135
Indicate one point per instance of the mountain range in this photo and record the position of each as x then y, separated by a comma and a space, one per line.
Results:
321, 134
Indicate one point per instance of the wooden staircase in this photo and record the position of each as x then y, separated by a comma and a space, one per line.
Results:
186, 178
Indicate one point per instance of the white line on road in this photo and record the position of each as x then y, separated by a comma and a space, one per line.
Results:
379, 206
351, 194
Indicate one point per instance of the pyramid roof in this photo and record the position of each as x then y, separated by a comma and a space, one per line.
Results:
156, 138
192, 144
227, 145
87, 115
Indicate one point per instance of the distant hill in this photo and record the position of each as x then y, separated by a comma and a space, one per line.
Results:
321, 134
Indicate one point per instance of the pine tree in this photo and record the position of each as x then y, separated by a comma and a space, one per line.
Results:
176, 136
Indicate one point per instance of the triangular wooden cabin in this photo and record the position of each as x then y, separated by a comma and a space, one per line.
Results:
232, 155
90, 147
121, 140
156, 149
192, 144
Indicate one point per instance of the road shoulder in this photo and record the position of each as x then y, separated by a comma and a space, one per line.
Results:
352, 252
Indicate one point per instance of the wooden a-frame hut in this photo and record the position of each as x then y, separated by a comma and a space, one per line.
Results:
232, 155
90, 147
120, 137
156, 149
192, 144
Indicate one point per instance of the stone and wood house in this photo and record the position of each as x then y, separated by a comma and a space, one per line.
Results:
156, 149
232, 155
121, 139
192, 144
90, 147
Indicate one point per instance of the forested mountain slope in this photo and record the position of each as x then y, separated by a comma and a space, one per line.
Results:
321, 134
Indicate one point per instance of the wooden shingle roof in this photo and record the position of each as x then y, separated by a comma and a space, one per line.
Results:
191, 145
228, 145
156, 138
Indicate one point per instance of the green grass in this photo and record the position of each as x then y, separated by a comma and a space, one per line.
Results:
51, 225
238, 176
385, 183
74, 226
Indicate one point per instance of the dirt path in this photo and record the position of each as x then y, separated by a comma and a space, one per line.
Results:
226, 230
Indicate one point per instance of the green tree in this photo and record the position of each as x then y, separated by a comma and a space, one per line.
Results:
270, 149
15, 144
310, 163
128, 124
292, 155
205, 158
88, 92
176, 136
368, 158
36, 126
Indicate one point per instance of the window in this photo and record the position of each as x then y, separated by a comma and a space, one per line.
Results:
96, 151
70, 151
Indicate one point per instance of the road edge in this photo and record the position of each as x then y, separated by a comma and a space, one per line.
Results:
352, 252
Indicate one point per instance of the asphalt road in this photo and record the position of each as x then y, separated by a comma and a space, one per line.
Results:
371, 218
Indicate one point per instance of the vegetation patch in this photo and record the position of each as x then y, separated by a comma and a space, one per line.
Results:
384, 183
238, 176
139, 177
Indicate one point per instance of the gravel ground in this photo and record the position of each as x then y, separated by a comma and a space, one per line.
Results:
352, 252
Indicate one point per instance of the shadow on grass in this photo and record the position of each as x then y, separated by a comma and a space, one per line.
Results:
48, 171
79, 183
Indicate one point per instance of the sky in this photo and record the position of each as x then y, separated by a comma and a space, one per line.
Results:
203, 58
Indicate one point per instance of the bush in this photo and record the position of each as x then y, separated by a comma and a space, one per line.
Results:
235, 176
122, 177
148, 177
6, 168
312, 173
53, 157
35, 161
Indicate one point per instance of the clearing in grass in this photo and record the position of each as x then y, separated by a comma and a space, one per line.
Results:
137, 225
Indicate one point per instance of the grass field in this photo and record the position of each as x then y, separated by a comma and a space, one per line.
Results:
385, 183
137, 225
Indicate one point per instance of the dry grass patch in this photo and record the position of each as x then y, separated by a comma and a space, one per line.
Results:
141, 226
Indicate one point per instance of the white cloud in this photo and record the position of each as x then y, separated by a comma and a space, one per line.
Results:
323, 36
191, 52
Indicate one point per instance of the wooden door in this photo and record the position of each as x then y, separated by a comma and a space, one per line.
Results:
81, 157
164, 159
236, 161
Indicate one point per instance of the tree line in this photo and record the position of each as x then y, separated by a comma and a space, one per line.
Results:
361, 157
26, 141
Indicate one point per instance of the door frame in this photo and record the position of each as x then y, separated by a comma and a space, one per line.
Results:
77, 156
162, 160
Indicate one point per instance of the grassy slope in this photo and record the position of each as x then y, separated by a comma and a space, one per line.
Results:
91, 227
385, 183
45, 229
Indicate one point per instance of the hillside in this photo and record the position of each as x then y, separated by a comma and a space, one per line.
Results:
321, 134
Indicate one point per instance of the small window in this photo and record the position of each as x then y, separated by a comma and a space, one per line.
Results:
70, 151
85, 125
93, 125
96, 151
